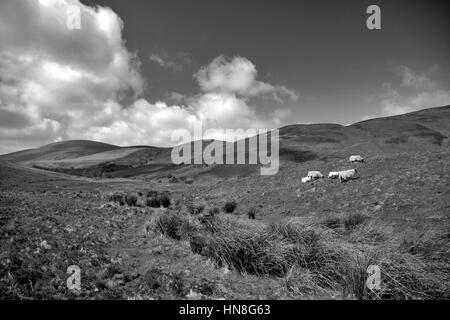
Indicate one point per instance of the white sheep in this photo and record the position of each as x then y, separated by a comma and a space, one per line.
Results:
314, 175
306, 179
333, 175
354, 159
347, 175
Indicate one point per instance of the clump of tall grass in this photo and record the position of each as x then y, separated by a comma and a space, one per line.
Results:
131, 200
157, 199
255, 248
123, 199
346, 222
117, 197
251, 214
352, 220
229, 206
196, 207
402, 276
173, 225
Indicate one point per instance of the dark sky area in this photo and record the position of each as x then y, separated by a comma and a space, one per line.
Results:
321, 49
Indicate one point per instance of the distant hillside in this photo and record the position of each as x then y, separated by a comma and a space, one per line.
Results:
59, 151
425, 130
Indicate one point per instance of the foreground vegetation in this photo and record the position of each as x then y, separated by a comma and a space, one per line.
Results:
316, 256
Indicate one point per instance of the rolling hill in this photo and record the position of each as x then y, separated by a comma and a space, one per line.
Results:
424, 130
395, 214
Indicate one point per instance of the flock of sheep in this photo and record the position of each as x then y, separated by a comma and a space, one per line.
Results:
344, 176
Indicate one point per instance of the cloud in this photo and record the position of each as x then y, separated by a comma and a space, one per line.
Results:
398, 104
411, 79
54, 79
426, 93
238, 76
60, 84
166, 64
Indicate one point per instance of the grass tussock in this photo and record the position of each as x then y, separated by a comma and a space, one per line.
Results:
173, 225
347, 222
157, 199
230, 206
269, 250
403, 276
309, 258
251, 214
196, 207
352, 220
122, 199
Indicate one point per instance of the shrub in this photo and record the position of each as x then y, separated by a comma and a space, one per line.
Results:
252, 214
131, 200
164, 199
117, 197
195, 208
229, 206
173, 225
156, 199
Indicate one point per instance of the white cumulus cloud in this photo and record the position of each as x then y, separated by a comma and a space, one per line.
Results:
58, 83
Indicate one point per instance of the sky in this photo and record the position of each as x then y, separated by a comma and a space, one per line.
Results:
136, 71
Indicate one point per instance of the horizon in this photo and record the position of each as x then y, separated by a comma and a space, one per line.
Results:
132, 74
212, 140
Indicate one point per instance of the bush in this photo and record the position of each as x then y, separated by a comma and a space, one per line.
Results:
156, 199
252, 214
131, 200
117, 198
229, 206
195, 208
173, 225
164, 199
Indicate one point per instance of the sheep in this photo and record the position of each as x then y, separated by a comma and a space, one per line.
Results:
306, 179
354, 159
333, 175
314, 175
347, 175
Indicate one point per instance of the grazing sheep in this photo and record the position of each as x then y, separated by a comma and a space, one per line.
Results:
333, 175
347, 175
314, 175
354, 159
306, 179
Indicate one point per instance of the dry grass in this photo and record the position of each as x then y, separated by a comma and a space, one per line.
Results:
308, 257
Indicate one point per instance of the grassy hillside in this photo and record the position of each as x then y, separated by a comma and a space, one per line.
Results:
59, 151
232, 234
425, 130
